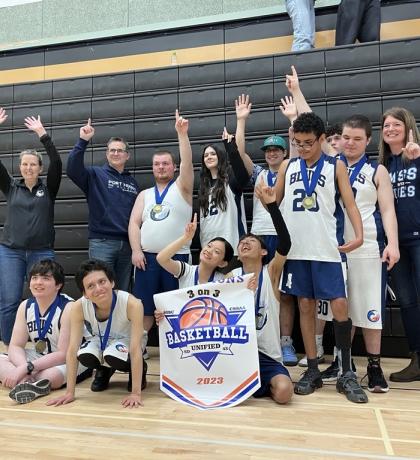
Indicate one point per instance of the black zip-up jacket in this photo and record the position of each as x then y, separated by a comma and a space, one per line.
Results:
30, 214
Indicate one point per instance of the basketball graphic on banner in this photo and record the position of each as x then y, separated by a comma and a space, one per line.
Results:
203, 311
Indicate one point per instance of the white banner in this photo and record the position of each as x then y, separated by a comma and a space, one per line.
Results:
208, 344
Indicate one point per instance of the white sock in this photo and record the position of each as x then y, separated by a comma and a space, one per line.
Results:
318, 339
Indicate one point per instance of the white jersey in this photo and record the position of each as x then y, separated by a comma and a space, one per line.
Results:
230, 224
188, 275
53, 332
317, 232
165, 223
262, 223
366, 196
267, 318
120, 324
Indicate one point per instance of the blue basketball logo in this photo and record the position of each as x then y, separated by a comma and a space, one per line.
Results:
373, 316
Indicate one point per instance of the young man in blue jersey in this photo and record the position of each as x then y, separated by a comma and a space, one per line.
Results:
307, 190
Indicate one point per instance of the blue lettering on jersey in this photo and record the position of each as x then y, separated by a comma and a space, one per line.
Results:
297, 177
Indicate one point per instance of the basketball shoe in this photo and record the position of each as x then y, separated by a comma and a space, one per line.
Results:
350, 387
102, 378
28, 391
330, 374
309, 382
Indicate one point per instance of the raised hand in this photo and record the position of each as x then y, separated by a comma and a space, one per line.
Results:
87, 131
292, 81
190, 228
265, 193
412, 149
242, 107
3, 115
181, 124
288, 108
35, 125
226, 136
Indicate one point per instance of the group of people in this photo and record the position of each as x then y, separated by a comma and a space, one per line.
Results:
327, 224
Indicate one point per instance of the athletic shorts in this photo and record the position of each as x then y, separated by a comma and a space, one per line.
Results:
269, 368
366, 283
116, 348
154, 280
314, 280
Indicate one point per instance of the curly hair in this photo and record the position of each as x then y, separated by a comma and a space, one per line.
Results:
217, 189
308, 122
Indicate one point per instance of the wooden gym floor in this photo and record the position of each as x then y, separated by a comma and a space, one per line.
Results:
320, 426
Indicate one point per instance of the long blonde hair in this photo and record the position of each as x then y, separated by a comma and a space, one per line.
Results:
409, 121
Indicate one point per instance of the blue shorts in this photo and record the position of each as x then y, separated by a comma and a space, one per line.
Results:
154, 280
269, 368
314, 280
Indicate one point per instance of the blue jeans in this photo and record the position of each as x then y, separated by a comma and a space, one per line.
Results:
406, 277
15, 265
117, 254
302, 14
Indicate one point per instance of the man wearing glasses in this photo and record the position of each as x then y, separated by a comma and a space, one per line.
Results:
110, 192
307, 187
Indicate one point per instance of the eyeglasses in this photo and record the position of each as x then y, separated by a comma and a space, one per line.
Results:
117, 151
307, 145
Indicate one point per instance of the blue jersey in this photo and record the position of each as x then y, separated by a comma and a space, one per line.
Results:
405, 180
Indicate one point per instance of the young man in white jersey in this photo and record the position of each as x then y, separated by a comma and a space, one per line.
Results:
115, 320
366, 274
159, 216
275, 150
307, 190
44, 320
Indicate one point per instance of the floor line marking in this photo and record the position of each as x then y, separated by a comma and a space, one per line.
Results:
384, 432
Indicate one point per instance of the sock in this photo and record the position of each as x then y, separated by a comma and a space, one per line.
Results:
342, 332
313, 363
335, 352
318, 339
286, 340
374, 360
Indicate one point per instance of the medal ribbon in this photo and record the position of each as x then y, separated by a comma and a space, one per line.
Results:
104, 339
196, 278
357, 167
159, 197
271, 178
42, 332
310, 186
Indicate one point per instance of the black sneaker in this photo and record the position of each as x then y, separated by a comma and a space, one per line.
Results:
143, 379
330, 374
376, 379
348, 385
102, 378
26, 392
309, 382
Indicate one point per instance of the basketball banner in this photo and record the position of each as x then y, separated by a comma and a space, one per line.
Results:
208, 344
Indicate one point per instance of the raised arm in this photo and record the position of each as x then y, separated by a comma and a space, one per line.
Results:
165, 255
240, 172
412, 148
347, 196
243, 109
186, 170
76, 168
292, 84
391, 253
134, 232
5, 178
76, 335
279, 185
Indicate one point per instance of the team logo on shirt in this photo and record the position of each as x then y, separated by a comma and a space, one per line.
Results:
373, 316
40, 193
205, 328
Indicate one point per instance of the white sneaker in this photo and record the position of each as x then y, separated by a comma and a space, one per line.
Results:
319, 354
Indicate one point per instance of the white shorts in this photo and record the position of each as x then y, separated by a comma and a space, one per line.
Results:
366, 287
116, 348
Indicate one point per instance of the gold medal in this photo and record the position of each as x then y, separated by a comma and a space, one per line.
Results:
308, 202
157, 208
40, 346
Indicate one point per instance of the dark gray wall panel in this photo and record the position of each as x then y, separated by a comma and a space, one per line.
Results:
262, 120
71, 260
71, 111
103, 131
400, 79
358, 56
25, 140
400, 51
65, 137
202, 99
71, 88
339, 111
353, 84
156, 79
202, 74
305, 63
68, 189
71, 237
154, 130
6, 142
410, 102
33, 110
249, 69
70, 212
6, 95
113, 84
7, 124
33, 92
207, 125
158, 104
112, 108
312, 87
259, 93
